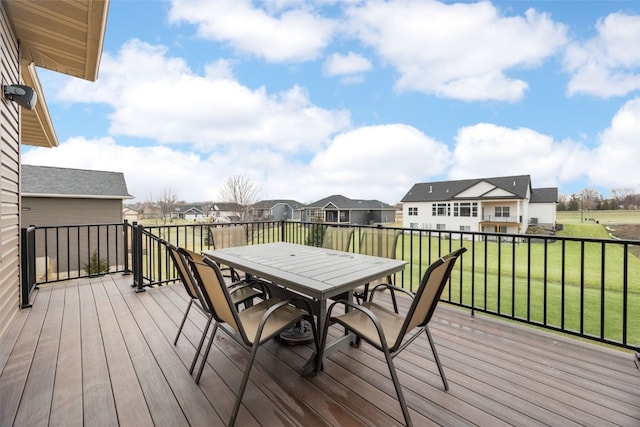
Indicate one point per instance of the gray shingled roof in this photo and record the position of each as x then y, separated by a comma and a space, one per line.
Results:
544, 195
343, 202
46, 181
448, 190
268, 204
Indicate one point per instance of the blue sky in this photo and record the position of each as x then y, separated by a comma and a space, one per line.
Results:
361, 98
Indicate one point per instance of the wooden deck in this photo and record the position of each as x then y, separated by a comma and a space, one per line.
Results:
93, 352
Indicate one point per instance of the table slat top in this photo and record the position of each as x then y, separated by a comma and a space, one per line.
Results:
317, 272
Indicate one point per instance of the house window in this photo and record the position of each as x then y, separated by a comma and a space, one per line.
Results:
465, 228
441, 209
413, 225
413, 211
441, 226
501, 229
502, 211
465, 209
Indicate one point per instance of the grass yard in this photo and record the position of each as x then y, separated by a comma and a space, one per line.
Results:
603, 217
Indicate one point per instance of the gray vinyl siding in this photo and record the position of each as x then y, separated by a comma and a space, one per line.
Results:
9, 179
44, 211
70, 248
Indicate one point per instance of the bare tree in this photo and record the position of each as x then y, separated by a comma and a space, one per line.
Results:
241, 191
167, 202
622, 196
590, 198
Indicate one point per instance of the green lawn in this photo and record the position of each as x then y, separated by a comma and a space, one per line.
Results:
603, 217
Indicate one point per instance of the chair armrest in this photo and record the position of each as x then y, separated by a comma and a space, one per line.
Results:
270, 311
366, 311
392, 288
236, 286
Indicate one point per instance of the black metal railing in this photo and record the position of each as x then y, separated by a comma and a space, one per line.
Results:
585, 287
56, 253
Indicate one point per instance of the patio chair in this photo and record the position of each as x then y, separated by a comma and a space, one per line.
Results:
251, 327
229, 237
337, 238
391, 332
380, 242
243, 295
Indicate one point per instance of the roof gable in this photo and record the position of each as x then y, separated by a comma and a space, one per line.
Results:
476, 191
498, 192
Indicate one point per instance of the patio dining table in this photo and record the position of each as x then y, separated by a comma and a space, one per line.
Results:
317, 274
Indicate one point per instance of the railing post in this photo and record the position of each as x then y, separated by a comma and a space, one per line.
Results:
136, 257
282, 230
28, 265
125, 232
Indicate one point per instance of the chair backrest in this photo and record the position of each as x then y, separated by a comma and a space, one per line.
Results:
428, 294
228, 236
183, 271
338, 238
215, 292
380, 242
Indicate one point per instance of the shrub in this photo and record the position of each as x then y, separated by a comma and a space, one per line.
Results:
96, 265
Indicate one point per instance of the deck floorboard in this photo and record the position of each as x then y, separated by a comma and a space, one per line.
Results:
93, 351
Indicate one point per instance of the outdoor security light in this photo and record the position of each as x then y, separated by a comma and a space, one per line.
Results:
25, 96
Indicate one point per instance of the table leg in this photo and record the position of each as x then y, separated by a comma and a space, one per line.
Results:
335, 345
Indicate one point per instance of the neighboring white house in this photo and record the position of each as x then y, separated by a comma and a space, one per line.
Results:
225, 212
497, 205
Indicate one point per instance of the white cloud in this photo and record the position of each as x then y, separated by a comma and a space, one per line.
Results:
349, 64
488, 150
377, 162
147, 170
616, 158
158, 97
459, 51
607, 65
278, 33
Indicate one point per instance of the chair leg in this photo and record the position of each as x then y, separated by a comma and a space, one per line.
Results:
243, 385
435, 356
184, 319
396, 384
393, 298
204, 336
206, 352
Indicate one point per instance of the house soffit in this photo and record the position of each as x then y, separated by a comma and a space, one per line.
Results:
64, 36
36, 126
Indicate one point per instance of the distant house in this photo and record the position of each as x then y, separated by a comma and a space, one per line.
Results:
225, 212
340, 209
506, 204
188, 212
62, 196
129, 214
276, 210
